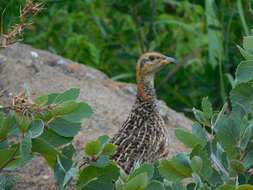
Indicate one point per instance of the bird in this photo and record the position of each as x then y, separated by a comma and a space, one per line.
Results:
143, 137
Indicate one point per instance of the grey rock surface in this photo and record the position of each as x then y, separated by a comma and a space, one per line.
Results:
111, 101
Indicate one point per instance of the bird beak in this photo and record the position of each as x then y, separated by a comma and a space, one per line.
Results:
170, 60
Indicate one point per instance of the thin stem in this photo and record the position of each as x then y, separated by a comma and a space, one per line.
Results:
138, 30
222, 86
241, 14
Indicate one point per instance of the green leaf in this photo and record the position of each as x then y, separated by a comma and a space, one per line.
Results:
67, 156
198, 130
244, 72
46, 150
82, 111
65, 108
97, 183
207, 169
92, 148
93, 174
226, 187
247, 134
63, 165
228, 134
26, 148
145, 168
59, 173
199, 115
109, 149
71, 94
139, 182
155, 185
5, 126
248, 43
188, 139
64, 128
104, 139
175, 169
245, 54
51, 98
54, 139
72, 173
237, 166
23, 122
102, 161
207, 107
196, 164
245, 187
242, 95
248, 159
41, 100
6, 155
36, 128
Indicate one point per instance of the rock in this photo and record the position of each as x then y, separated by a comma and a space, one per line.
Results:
45, 73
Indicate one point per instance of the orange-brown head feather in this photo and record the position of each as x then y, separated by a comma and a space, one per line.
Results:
148, 64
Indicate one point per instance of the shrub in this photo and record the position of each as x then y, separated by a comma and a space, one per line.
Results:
220, 144
45, 127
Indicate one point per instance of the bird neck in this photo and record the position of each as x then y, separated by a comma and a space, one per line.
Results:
145, 88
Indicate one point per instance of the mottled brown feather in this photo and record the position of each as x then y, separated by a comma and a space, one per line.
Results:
143, 137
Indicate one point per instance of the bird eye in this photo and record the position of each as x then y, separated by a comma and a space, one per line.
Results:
151, 58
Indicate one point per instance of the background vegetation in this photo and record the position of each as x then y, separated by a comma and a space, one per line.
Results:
110, 35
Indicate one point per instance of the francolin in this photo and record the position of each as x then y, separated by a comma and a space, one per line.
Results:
143, 137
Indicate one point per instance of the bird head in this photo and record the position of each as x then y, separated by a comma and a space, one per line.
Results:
148, 64
151, 62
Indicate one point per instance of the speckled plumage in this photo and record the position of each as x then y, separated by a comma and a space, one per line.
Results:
143, 137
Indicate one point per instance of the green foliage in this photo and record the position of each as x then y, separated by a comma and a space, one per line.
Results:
110, 35
224, 155
220, 155
49, 129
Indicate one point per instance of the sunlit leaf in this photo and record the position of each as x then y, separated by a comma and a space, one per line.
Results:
109, 149
175, 169
65, 108
248, 159
93, 148
226, 187
139, 182
55, 139
5, 126
46, 150
245, 187
71, 94
196, 163
82, 111
145, 168
6, 155
64, 128
189, 139
207, 107
91, 176
244, 72
155, 185
36, 128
